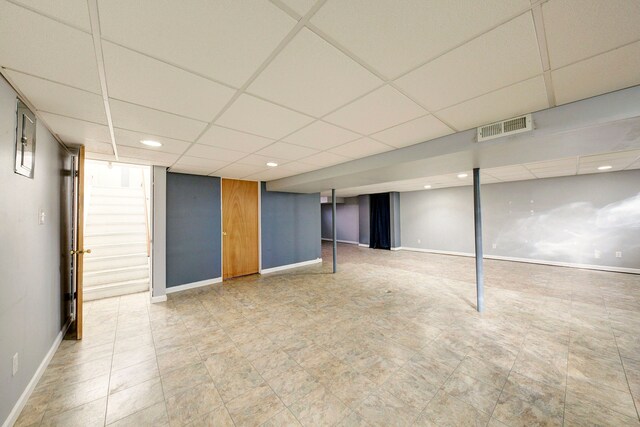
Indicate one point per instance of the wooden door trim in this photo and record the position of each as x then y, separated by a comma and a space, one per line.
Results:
80, 247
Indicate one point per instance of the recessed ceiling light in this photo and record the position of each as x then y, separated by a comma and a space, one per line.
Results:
272, 164
462, 175
604, 168
427, 187
151, 143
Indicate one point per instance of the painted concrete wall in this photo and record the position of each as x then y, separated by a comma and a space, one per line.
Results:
363, 215
582, 219
34, 260
348, 220
290, 231
193, 229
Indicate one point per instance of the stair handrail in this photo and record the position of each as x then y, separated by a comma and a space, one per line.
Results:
146, 212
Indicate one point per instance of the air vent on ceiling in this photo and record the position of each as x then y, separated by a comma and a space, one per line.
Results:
505, 127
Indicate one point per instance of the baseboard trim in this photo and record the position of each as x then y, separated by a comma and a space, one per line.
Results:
350, 242
193, 285
399, 248
26, 394
532, 261
159, 298
290, 266
363, 245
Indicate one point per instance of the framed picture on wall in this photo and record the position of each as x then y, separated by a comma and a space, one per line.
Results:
25, 140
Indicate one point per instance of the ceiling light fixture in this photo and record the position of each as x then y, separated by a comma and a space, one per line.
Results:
151, 143
272, 164
604, 168
462, 175
427, 187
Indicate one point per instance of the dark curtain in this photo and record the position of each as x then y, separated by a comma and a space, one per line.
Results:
380, 221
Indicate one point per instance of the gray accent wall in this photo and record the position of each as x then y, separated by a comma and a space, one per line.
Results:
193, 229
290, 231
34, 260
581, 219
363, 215
394, 207
347, 223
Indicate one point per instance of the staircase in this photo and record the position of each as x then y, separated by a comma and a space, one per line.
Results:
116, 231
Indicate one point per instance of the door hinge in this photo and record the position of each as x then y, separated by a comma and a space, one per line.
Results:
70, 296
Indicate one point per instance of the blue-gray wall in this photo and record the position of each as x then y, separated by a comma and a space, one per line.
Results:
290, 228
581, 219
34, 260
193, 229
363, 215
394, 206
347, 224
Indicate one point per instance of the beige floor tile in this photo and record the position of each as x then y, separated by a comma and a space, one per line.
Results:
281, 419
351, 387
480, 395
445, 411
192, 404
133, 399
74, 395
293, 384
615, 400
88, 415
589, 413
133, 375
413, 390
154, 415
320, 408
178, 358
183, 378
255, 406
384, 409
219, 417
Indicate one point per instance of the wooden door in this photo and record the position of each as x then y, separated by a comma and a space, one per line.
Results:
78, 250
239, 228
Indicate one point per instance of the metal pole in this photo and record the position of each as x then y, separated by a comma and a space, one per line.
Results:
333, 229
477, 216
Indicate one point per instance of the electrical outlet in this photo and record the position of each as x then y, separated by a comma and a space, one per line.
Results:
596, 254
618, 254
419, 241
15, 364
41, 216
495, 245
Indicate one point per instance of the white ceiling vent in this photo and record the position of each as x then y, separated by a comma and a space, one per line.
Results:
505, 127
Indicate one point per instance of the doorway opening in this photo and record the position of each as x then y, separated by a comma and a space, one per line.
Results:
117, 231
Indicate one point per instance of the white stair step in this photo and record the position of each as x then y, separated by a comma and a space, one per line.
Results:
116, 191
97, 200
92, 229
118, 249
115, 289
97, 263
105, 277
111, 238
115, 218
133, 209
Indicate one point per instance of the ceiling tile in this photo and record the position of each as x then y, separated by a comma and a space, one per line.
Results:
312, 76
136, 78
384, 33
509, 173
321, 136
234, 140
299, 167
56, 51
301, 7
521, 98
271, 174
551, 168
577, 29
474, 68
258, 160
418, 130
154, 157
604, 73
132, 139
72, 12
263, 118
215, 153
59, 99
382, 108
325, 159
237, 170
98, 148
134, 117
191, 170
74, 131
286, 151
361, 148
198, 162
617, 160
226, 40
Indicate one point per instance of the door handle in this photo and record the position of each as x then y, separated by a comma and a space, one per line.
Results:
224, 233
84, 251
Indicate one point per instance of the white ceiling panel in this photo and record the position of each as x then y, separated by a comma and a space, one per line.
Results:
560, 167
521, 98
384, 33
325, 159
56, 98
418, 130
359, 148
321, 136
382, 108
301, 7
74, 131
132, 139
509, 173
156, 157
139, 79
214, 153
578, 29
618, 161
226, 40
299, 167
263, 118
258, 160
198, 162
55, 51
600, 74
234, 140
142, 119
99, 148
286, 151
190, 170
237, 170
271, 174
312, 76
474, 68
72, 12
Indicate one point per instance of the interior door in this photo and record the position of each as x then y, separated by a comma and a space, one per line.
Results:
78, 250
239, 228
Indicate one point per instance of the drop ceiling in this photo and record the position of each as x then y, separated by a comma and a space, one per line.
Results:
227, 86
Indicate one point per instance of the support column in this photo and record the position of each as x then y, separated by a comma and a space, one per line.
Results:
477, 216
333, 229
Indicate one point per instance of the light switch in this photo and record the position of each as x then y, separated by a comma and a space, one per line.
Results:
41, 216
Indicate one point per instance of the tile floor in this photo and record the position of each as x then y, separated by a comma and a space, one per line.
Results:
392, 339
